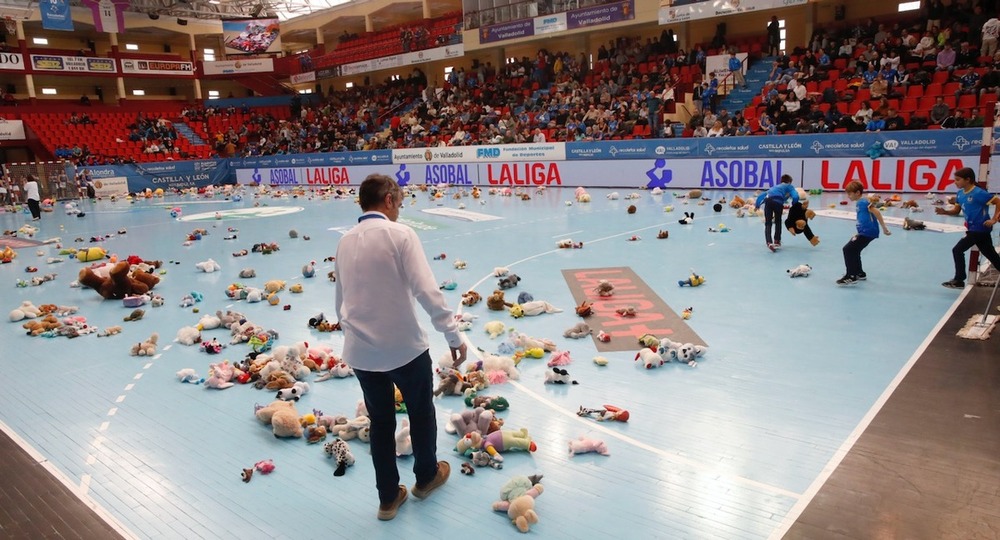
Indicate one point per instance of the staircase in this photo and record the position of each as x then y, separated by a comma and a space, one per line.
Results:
189, 134
757, 72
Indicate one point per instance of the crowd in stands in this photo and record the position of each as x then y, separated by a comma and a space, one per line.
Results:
867, 76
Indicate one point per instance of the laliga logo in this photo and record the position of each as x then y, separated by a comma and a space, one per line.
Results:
816, 146
891, 144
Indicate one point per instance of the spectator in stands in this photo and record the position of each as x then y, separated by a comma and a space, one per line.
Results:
990, 32
946, 58
966, 55
717, 130
766, 125
736, 68
803, 127
4, 193
926, 48
792, 103
968, 83
784, 120
773, 36
955, 121
879, 87
876, 123
846, 50
989, 84
821, 126
940, 111
894, 122
934, 12
85, 100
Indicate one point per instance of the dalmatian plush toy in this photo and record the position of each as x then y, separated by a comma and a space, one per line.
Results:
338, 449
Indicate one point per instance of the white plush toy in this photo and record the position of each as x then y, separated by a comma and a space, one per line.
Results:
801, 270
26, 310
188, 335
680, 352
556, 375
650, 358
532, 308
404, 447
188, 375
209, 322
500, 271
208, 266
583, 445
494, 328
297, 390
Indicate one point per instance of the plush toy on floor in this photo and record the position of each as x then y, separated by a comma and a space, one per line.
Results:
557, 375
145, 348
583, 445
517, 498
693, 280
342, 452
208, 266
404, 445
801, 270
798, 218
607, 413
283, 417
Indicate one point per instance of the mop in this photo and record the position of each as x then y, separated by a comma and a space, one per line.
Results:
979, 327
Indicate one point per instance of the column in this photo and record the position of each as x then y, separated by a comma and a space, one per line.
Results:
369, 25
22, 45
194, 61
120, 80
427, 9
320, 48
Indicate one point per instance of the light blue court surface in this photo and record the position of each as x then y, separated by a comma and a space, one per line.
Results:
722, 450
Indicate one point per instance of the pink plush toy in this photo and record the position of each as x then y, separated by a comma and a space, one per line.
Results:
560, 358
584, 445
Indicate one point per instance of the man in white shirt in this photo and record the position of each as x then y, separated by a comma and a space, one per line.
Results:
381, 271
991, 31
33, 197
539, 137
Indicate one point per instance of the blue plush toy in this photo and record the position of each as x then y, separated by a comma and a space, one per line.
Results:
876, 150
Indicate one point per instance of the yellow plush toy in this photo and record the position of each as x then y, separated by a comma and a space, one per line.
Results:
91, 254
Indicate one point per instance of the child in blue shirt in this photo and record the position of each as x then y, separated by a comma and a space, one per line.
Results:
773, 201
974, 201
869, 221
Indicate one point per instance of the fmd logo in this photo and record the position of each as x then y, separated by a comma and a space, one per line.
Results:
487, 153
961, 142
817, 147
709, 149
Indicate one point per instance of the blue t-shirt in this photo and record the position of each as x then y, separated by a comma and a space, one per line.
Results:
975, 206
735, 64
867, 225
779, 193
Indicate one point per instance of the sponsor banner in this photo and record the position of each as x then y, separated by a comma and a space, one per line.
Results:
886, 174
109, 15
472, 154
395, 61
115, 185
315, 176
56, 15
550, 24
167, 175
719, 63
327, 73
247, 65
11, 130
300, 78
734, 173
11, 61
944, 142
135, 66
675, 11
251, 36
598, 15
78, 64
506, 31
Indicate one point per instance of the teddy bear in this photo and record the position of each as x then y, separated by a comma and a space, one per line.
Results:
220, 375
46, 323
496, 302
27, 310
798, 218
121, 281
583, 445
470, 298
452, 384
509, 281
146, 348
283, 417
517, 498
477, 420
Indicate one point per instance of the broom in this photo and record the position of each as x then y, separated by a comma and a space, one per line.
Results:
980, 327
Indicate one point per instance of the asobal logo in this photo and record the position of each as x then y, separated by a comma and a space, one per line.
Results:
244, 213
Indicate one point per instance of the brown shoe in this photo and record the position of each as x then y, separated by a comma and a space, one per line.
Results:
388, 511
444, 470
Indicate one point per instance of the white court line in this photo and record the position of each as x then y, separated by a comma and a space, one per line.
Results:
76, 490
593, 425
841, 453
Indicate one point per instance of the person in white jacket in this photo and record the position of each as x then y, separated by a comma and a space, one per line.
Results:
382, 272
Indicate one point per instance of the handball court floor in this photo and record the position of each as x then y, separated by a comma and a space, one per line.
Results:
817, 411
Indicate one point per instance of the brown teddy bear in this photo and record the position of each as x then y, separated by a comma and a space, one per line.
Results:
496, 301
36, 327
120, 282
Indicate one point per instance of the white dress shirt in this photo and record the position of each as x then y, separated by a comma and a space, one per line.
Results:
382, 272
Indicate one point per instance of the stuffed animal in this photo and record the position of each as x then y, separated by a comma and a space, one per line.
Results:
296, 391
557, 375
693, 280
477, 420
607, 413
509, 281
40, 326
342, 452
650, 358
687, 219
579, 330
121, 281
145, 348
585, 309
686, 353
471, 298
309, 269
494, 328
248, 273
517, 498
583, 445
530, 309
798, 218
913, 225
188, 335
452, 384
208, 266
188, 375
27, 310
604, 288
220, 375
500, 441
283, 417
801, 270
404, 446
496, 302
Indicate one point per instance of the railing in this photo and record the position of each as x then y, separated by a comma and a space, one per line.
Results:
525, 10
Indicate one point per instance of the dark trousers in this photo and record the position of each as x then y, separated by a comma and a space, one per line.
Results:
415, 382
772, 219
852, 254
983, 241
36, 210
